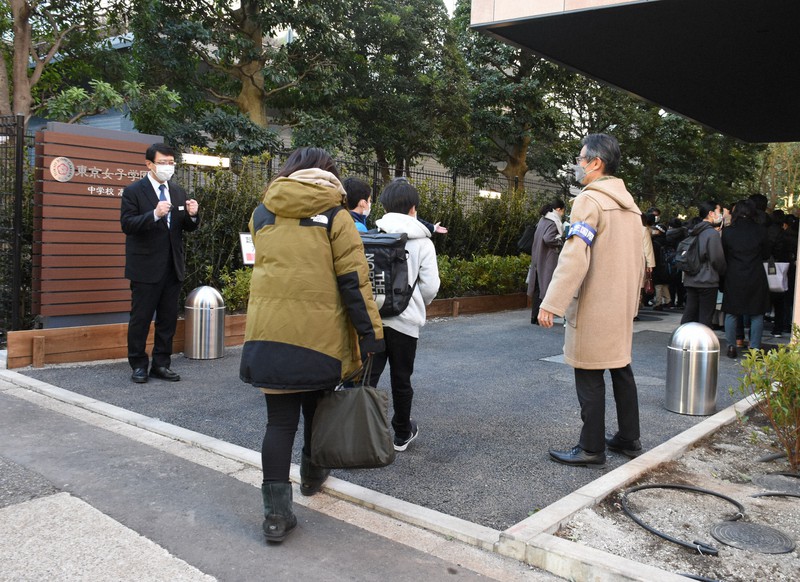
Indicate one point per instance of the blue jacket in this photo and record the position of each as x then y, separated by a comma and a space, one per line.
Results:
360, 220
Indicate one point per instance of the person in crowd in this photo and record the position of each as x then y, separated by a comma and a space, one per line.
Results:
745, 291
154, 214
761, 203
783, 249
310, 317
675, 234
655, 213
400, 200
547, 242
702, 287
661, 273
596, 287
790, 229
649, 257
359, 201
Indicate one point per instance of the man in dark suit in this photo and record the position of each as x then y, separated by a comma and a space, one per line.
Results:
154, 214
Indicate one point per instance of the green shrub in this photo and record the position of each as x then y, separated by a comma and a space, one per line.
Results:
773, 377
484, 275
235, 288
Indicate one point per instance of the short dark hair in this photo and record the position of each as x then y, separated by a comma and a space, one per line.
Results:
550, 206
676, 223
705, 207
760, 201
649, 219
399, 196
159, 148
743, 209
305, 158
605, 147
357, 190
653, 210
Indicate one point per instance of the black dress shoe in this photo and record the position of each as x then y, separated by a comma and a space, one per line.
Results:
164, 373
139, 375
631, 449
578, 457
732, 352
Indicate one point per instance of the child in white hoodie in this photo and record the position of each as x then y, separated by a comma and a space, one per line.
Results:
401, 332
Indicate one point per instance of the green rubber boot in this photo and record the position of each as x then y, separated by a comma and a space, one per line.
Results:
311, 476
279, 518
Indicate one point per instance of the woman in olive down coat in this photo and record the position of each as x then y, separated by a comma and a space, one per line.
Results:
309, 317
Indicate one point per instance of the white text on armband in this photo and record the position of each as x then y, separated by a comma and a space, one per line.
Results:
583, 231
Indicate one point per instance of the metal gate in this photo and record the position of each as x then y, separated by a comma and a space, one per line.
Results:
14, 245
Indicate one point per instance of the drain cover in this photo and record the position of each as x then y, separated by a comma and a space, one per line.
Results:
752, 536
779, 482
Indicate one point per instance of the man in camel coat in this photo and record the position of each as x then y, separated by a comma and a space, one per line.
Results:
596, 289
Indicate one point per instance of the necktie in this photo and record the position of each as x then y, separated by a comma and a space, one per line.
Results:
163, 198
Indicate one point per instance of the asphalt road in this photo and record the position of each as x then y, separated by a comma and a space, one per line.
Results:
491, 398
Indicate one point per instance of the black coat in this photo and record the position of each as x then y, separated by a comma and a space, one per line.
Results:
746, 291
150, 244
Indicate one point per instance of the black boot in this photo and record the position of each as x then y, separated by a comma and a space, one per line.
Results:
311, 476
280, 519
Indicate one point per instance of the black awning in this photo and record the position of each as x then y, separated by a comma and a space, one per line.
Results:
732, 65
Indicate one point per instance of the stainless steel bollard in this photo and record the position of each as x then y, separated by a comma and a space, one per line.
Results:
204, 324
692, 369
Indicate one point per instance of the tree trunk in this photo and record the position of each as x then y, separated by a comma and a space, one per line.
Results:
21, 13
517, 164
251, 96
5, 88
383, 164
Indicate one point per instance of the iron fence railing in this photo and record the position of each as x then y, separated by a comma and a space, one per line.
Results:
15, 246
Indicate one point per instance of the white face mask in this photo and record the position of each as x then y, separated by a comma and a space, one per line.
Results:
164, 172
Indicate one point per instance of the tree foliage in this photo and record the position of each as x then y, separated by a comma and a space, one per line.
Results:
402, 80
37, 37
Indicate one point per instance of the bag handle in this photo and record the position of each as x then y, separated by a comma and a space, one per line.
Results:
771, 268
365, 370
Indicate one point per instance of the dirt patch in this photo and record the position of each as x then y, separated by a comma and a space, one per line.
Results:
727, 463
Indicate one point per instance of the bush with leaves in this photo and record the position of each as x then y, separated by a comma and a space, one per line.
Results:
227, 200
482, 275
773, 377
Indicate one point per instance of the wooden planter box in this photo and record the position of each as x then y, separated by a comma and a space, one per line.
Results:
38, 347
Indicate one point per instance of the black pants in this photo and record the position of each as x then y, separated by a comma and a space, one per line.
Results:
401, 350
591, 389
283, 418
146, 299
700, 305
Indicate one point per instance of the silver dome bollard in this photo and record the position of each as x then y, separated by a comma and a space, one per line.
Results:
204, 324
692, 368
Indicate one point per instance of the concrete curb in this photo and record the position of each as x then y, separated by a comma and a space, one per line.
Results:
530, 541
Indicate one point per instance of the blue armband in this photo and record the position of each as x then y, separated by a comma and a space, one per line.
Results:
583, 231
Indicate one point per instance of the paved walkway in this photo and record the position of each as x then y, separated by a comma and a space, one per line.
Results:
103, 479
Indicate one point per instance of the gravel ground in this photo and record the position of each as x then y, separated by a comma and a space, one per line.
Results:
726, 463
491, 398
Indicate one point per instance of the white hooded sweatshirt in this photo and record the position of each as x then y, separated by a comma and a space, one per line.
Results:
422, 268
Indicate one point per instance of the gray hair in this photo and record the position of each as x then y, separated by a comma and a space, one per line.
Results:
605, 147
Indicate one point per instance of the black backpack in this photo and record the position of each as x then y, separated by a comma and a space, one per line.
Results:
388, 271
687, 255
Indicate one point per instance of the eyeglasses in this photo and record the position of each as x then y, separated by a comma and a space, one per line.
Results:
584, 158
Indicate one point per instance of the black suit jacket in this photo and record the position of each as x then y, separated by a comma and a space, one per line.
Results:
150, 244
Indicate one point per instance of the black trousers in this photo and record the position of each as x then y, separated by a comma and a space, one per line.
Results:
146, 299
401, 350
591, 389
283, 418
700, 305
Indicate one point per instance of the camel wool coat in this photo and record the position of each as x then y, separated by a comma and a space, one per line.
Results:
596, 287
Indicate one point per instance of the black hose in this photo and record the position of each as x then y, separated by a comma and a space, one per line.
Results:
776, 494
702, 547
696, 577
771, 457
